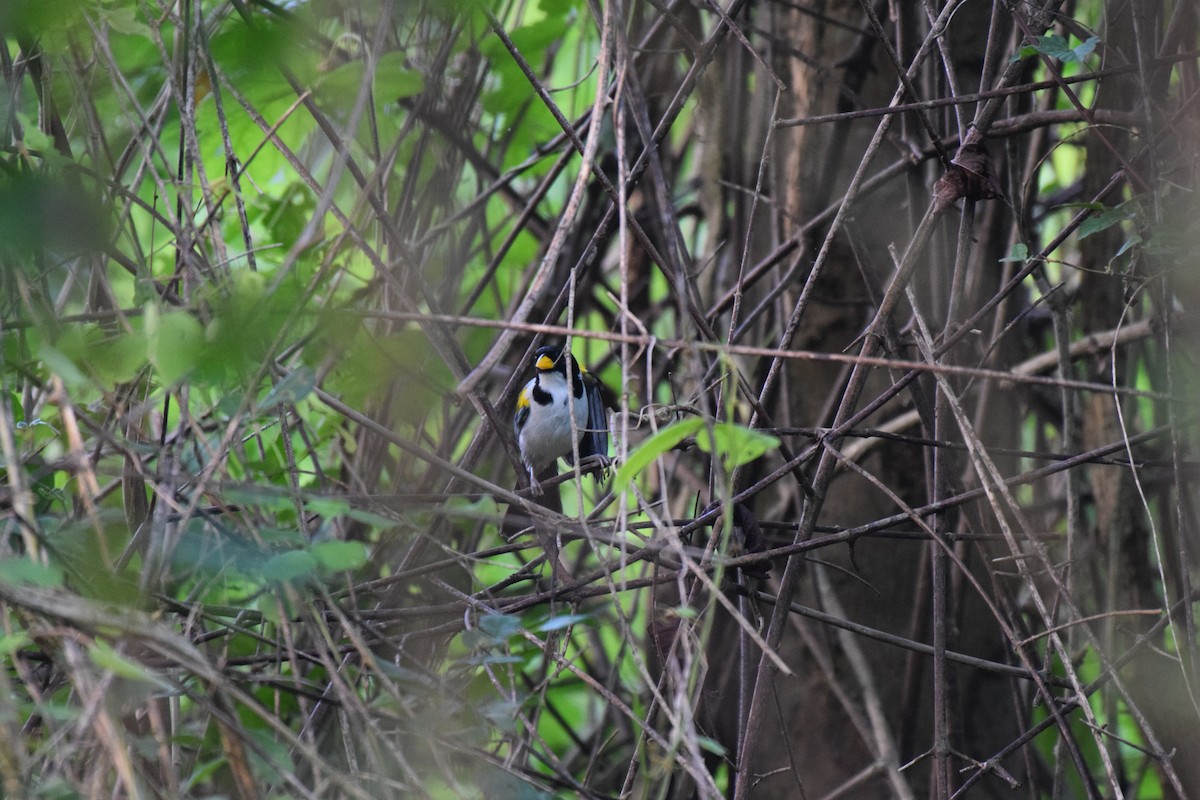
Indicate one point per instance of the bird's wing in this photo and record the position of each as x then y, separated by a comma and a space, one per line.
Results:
595, 439
522, 413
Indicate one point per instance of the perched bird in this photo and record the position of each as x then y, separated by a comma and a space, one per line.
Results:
551, 412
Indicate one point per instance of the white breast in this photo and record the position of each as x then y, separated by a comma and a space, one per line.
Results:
546, 436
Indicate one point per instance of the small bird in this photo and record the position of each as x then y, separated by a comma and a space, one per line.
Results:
545, 408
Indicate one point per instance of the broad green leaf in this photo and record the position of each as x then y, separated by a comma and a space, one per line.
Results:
498, 783
489, 658
124, 20
12, 642
1020, 252
394, 80
503, 714
1055, 46
736, 445
268, 499
116, 359
1104, 220
295, 386
40, 142
530, 40
110, 358
685, 612
23, 571
104, 656
327, 506
174, 342
1132, 241
370, 518
560, 622
62, 366
340, 556
1084, 49
33, 207
500, 627
289, 566
645, 453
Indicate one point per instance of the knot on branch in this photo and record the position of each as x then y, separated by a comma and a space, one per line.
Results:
970, 175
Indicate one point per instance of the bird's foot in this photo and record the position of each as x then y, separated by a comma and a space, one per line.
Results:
596, 462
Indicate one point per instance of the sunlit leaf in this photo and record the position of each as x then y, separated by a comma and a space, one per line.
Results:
735, 444
645, 453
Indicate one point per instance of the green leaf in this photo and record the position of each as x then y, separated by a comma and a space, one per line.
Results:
327, 506
500, 627
1132, 241
502, 714
1104, 220
370, 518
340, 556
289, 566
685, 612
295, 386
174, 342
497, 783
736, 445
530, 40
33, 207
12, 642
116, 359
394, 80
40, 142
711, 746
20, 571
490, 658
104, 656
62, 366
1020, 252
266, 498
124, 20
1055, 46
1084, 49
560, 622
645, 453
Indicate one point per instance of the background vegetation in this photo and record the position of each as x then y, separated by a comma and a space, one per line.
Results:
896, 298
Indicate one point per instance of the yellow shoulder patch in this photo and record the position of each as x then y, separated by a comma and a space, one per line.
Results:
523, 398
